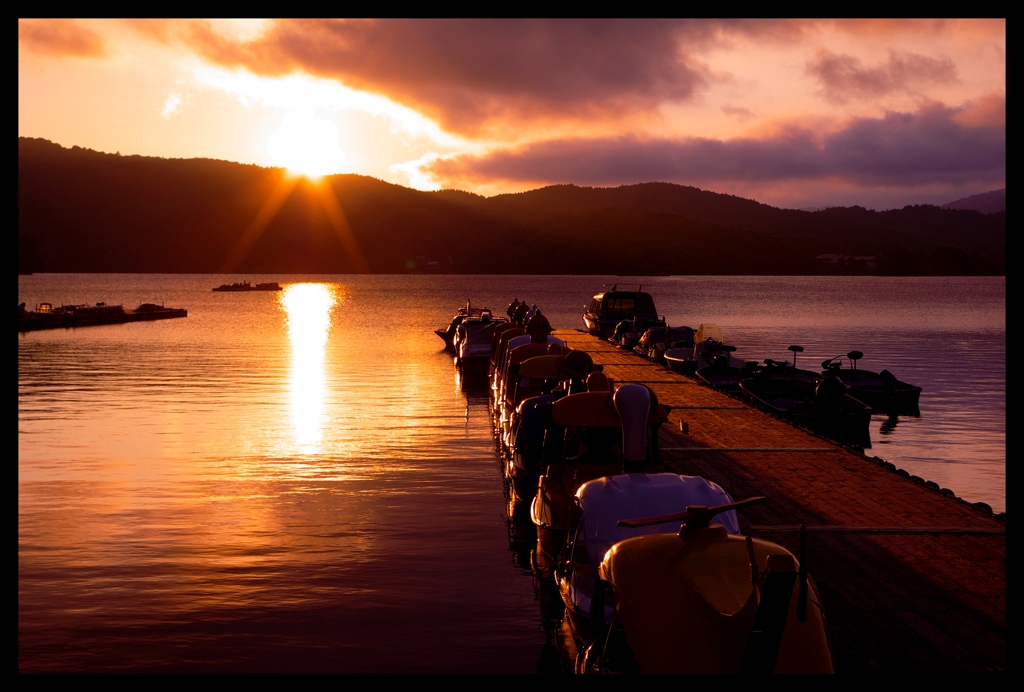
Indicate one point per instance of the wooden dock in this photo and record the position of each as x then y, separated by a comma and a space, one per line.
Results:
907, 601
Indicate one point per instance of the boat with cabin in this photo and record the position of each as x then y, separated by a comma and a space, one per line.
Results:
608, 309
472, 342
447, 335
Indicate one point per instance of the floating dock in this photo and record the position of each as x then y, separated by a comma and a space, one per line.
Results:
71, 316
912, 578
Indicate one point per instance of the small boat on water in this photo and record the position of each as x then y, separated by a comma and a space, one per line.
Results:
448, 335
879, 390
597, 421
704, 600
824, 405
708, 343
724, 376
472, 342
660, 338
600, 505
246, 286
680, 360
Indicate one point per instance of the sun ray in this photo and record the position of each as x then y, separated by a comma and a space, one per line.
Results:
259, 223
341, 226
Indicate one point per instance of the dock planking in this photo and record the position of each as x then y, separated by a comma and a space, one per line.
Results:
894, 602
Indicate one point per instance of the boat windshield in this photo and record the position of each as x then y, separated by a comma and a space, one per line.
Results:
621, 306
477, 328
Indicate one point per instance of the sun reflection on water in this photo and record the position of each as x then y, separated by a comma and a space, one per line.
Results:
308, 307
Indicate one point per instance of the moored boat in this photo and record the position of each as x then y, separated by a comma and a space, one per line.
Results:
600, 505
608, 309
448, 334
599, 423
705, 601
879, 390
660, 338
472, 342
823, 405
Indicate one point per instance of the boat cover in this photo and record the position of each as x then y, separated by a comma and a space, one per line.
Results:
709, 331
687, 604
540, 367
678, 353
529, 440
635, 495
631, 496
525, 339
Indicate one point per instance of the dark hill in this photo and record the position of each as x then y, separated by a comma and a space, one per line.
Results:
86, 211
987, 202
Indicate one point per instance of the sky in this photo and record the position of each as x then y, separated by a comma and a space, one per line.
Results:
792, 113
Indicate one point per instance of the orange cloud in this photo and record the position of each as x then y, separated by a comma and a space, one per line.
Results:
60, 37
469, 75
987, 111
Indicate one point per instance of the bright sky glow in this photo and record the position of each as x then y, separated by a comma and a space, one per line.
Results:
301, 92
787, 112
307, 144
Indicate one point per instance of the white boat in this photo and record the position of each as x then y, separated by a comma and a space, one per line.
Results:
472, 340
602, 503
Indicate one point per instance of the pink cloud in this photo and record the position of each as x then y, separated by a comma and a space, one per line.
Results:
844, 77
60, 37
929, 146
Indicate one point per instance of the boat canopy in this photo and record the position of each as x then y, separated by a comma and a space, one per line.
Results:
607, 500
524, 339
709, 331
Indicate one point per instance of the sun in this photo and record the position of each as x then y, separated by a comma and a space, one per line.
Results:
306, 144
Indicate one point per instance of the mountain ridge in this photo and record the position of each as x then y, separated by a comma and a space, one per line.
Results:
82, 210
990, 202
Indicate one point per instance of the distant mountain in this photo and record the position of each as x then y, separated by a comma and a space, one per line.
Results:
84, 211
987, 202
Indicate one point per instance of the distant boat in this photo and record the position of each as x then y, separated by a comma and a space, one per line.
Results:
246, 286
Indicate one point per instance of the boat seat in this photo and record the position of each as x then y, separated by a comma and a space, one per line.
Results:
540, 367
599, 382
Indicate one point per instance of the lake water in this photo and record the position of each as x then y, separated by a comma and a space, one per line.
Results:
298, 480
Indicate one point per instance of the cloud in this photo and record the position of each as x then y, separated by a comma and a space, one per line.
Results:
900, 149
60, 37
172, 106
470, 74
844, 77
738, 112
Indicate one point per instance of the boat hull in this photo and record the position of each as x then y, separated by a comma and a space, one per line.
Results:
795, 401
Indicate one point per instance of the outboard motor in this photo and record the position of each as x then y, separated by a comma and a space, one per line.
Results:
538, 328
520, 314
829, 394
890, 385
512, 307
633, 404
